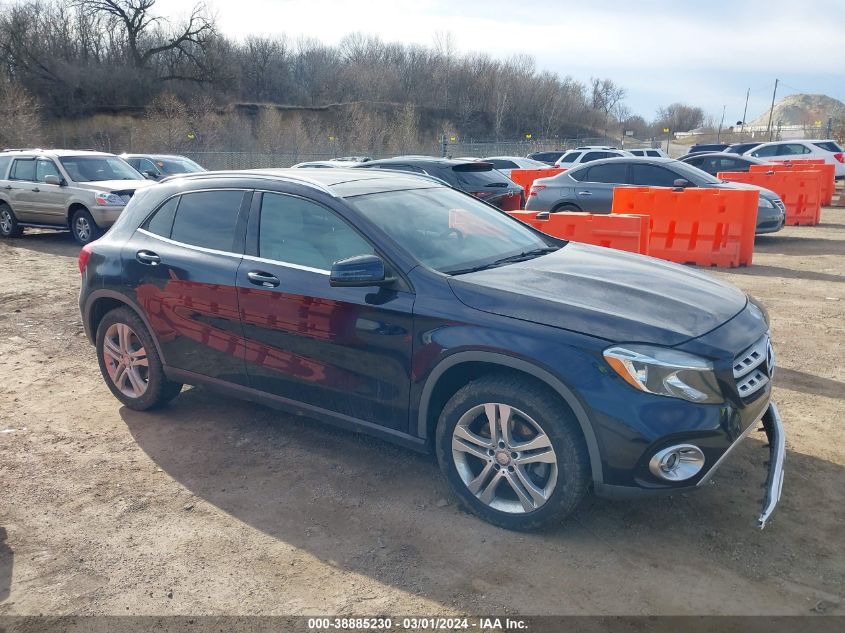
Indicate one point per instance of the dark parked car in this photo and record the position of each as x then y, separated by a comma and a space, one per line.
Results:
390, 304
159, 166
740, 148
590, 187
707, 147
475, 177
550, 158
714, 162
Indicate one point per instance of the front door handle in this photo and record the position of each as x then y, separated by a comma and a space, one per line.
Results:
260, 278
585, 193
148, 257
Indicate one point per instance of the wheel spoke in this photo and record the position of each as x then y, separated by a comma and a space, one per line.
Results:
137, 383
476, 484
490, 410
120, 377
111, 349
530, 496
123, 337
489, 492
546, 456
504, 412
468, 442
536, 443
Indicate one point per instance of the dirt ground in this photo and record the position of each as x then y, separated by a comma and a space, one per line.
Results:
216, 506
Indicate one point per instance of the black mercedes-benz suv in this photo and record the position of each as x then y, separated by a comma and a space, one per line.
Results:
392, 304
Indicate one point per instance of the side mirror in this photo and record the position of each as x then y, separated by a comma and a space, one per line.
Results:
50, 179
359, 271
681, 183
150, 174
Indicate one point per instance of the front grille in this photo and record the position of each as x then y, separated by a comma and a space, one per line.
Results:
779, 204
753, 369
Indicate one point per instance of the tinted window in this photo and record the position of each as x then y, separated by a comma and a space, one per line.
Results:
792, 149
208, 219
147, 165
502, 164
652, 176
162, 222
653, 152
297, 231
479, 180
570, 157
830, 146
547, 157
98, 168
591, 156
23, 169
698, 161
45, 168
4, 165
769, 150
613, 173
135, 162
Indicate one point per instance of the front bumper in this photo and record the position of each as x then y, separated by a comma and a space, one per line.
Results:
104, 215
773, 427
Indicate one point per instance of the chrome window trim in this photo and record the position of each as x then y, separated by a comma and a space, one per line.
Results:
201, 249
275, 262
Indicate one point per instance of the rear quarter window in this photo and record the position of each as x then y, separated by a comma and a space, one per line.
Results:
207, 219
830, 146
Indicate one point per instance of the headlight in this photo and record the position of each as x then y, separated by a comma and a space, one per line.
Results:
765, 204
104, 198
665, 372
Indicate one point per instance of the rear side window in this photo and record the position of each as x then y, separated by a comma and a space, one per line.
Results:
4, 165
298, 231
162, 222
591, 156
769, 150
612, 173
571, 157
830, 146
652, 176
207, 219
502, 164
23, 169
793, 149
654, 153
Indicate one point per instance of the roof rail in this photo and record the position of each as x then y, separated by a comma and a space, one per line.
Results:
266, 173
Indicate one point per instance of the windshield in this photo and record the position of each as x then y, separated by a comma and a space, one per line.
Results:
177, 166
472, 180
446, 230
98, 168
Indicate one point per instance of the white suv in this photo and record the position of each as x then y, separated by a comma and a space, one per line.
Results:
585, 155
805, 149
649, 152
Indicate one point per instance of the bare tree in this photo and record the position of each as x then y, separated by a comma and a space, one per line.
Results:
606, 95
20, 115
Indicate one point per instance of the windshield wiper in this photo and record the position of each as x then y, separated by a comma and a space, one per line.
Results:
510, 259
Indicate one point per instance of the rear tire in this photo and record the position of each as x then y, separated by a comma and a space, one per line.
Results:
83, 227
567, 207
535, 460
9, 226
130, 363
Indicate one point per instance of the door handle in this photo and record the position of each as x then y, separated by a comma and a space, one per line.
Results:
260, 278
585, 193
148, 257
8, 187
36, 189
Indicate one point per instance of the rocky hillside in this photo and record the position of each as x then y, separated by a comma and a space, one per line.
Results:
804, 109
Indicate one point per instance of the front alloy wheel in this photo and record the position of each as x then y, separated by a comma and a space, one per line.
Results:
512, 451
504, 458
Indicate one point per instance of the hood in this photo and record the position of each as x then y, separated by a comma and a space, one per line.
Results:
606, 293
764, 193
114, 185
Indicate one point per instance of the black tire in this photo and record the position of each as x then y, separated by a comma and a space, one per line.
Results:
159, 390
567, 207
560, 427
83, 228
9, 226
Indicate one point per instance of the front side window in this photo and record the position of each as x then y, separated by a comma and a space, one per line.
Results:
44, 168
297, 231
591, 156
171, 166
769, 150
570, 157
207, 219
796, 148
447, 230
23, 169
652, 176
98, 168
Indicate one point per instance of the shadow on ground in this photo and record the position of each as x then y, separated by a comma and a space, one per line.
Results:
58, 243
369, 507
6, 563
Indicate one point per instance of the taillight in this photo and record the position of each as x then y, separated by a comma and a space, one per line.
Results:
84, 256
840, 157
482, 194
535, 189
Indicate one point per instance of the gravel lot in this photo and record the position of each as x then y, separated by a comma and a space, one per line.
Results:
216, 506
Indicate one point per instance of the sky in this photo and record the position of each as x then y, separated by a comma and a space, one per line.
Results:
706, 53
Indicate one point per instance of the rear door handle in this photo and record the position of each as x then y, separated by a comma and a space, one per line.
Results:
260, 278
148, 257
585, 193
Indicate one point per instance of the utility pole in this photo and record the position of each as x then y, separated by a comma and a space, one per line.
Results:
721, 123
744, 113
769, 128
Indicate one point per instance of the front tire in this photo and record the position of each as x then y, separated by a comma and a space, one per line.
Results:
512, 452
9, 226
83, 227
130, 363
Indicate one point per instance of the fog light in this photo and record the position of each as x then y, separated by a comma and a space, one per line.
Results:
677, 463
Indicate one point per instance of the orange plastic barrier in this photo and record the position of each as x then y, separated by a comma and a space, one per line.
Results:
799, 190
708, 227
526, 177
622, 232
828, 173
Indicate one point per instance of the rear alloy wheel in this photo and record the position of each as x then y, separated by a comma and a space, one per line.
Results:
130, 363
83, 227
9, 226
512, 452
